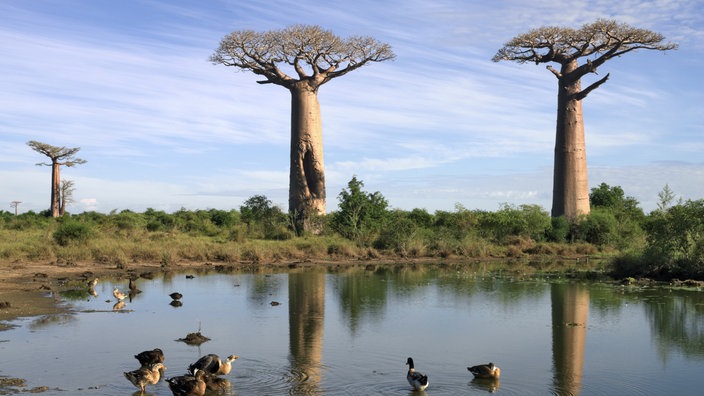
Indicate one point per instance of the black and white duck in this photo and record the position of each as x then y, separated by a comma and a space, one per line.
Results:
211, 364
417, 380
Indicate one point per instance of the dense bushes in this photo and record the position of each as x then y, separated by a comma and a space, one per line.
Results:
71, 231
667, 242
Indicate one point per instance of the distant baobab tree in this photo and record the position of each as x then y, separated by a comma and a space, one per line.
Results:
15, 205
301, 58
597, 42
66, 196
59, 156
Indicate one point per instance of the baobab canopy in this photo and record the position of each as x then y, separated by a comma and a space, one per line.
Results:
311, 52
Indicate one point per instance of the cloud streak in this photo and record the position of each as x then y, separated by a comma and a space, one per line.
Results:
151, 114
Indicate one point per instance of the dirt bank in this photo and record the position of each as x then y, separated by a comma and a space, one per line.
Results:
31, 288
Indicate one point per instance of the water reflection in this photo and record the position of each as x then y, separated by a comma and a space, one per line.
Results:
535, 329
570, 308
306, 309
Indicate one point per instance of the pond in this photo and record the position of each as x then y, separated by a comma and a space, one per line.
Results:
313, 332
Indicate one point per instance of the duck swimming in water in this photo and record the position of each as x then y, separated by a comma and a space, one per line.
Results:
145, 376
489, 370
417, 380
188, 385
211, 364
147, 358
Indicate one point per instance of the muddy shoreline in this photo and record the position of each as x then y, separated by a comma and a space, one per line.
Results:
31, 288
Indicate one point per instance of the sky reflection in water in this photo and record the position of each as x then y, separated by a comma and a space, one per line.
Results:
351, 332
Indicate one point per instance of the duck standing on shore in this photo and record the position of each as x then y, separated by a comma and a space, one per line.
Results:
118, 294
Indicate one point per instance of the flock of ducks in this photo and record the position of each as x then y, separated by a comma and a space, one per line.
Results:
420, 381
201, 376
204, 373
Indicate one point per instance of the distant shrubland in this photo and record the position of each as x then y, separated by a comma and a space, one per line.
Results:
667, 243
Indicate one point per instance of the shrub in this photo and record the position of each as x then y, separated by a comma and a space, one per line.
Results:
72, 231
361, 215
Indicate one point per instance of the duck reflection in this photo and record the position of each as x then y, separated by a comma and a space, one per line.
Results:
570, 308
490, 385
306, 309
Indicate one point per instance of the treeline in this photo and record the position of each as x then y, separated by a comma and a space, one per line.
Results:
667, 243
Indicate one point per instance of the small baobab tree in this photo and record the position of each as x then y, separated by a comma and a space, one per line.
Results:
59, 156
301, 58
66, 196
596, 42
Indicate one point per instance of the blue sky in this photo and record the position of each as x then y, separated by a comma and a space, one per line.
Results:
129, 82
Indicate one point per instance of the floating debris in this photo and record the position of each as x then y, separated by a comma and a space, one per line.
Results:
194, 338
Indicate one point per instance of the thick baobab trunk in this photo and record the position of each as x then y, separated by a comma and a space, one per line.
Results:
55, 189
307, 174
570, 196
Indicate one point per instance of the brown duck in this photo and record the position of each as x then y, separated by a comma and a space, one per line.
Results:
489, 371
145, 376
188, 385
147, 358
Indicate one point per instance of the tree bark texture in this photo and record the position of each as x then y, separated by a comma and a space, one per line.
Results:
307, 171
570, 179
55, 188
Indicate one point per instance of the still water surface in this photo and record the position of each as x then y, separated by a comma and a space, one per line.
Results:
350, 332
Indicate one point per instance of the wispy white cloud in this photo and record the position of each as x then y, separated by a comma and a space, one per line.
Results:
153, 116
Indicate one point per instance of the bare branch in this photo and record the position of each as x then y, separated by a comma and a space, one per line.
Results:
583, 94
554, 71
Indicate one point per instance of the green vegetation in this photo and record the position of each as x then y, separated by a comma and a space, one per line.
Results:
667, 243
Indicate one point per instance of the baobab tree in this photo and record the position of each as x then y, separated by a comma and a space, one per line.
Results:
59, 156
596, 42
66, 196
301, 58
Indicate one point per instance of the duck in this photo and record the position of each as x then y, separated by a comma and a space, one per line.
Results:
133, 287
489, 370
175, 296
144, 376
417, 380
212, 364
213, 383
91, 287
118, 294
147, 358
188, 385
